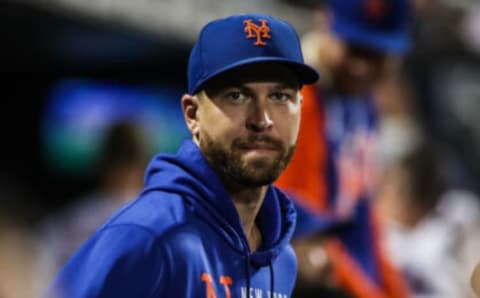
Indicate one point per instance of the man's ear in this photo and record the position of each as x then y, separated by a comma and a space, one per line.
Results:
190, 105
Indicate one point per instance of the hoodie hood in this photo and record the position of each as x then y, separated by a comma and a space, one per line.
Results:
188, 174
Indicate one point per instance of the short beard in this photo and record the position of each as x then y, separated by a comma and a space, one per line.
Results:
231, 169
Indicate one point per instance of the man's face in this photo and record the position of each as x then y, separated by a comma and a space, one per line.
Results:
247, 123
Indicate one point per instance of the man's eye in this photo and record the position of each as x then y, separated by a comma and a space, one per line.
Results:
236, 96
281, 96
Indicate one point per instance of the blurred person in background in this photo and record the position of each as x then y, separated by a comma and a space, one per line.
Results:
444, 68
431, 230
19, 250
119, 177
357, 45
424, 102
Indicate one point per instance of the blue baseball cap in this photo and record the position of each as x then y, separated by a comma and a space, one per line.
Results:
238, 40
383, 25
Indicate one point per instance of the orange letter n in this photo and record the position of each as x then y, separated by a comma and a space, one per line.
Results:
209, 283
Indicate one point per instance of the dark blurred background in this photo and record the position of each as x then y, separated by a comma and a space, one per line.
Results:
41, 48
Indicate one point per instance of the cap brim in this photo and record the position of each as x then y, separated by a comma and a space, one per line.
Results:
392, 42
306, 74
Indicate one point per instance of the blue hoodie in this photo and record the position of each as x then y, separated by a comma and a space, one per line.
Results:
182, 237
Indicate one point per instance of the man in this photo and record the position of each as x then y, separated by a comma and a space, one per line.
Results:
336, 237
208, 223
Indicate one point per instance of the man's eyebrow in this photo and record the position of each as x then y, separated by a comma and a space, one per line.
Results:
221, 88
288, 85
227, 87
277, 84
243, 86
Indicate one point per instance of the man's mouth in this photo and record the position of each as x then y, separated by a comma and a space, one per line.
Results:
259, 146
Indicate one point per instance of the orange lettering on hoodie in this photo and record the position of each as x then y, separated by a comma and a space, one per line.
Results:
226, 281
209, 282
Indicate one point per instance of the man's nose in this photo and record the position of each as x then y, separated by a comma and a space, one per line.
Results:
259, 118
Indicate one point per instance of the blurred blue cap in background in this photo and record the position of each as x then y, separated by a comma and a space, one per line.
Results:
383, 25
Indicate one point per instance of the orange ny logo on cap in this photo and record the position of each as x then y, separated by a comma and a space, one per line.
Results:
255, 31
375, 8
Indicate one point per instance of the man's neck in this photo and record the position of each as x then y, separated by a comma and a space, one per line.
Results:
248, 201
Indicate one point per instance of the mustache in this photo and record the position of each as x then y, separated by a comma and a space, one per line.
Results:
258, 139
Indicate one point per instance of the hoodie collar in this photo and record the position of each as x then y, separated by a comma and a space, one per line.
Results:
189, 174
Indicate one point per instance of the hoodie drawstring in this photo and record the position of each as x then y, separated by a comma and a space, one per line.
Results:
247, 266
272, 278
